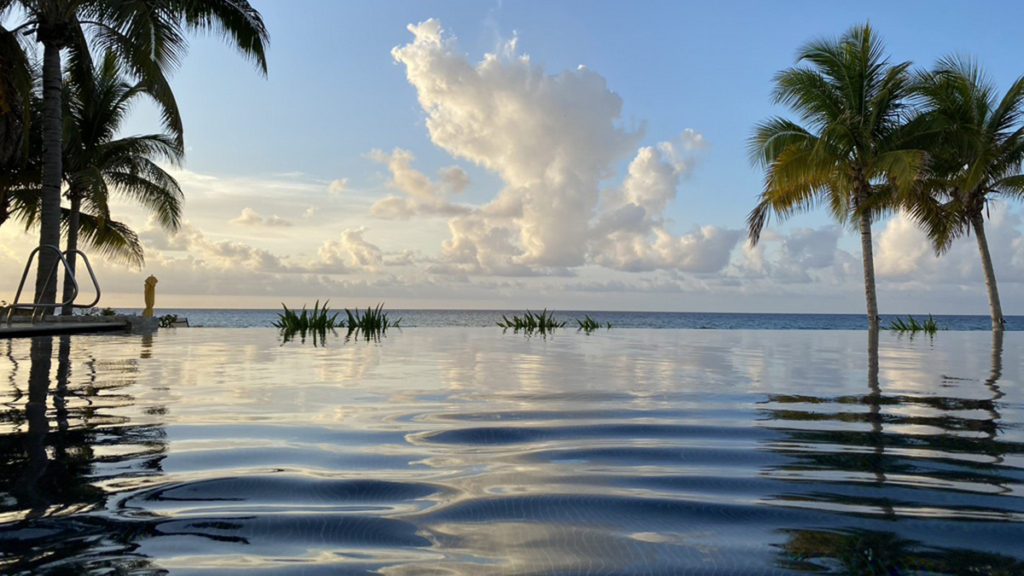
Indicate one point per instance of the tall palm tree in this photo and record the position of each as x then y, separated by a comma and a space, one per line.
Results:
976, 152
96, 162
850, 154
149, 37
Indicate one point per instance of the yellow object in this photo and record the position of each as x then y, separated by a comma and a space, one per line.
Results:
150, 296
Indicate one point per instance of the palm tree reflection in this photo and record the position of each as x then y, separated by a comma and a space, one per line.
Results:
864, 473
27, 483
51, 460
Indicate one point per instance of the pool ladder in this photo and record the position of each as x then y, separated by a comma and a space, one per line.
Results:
40, 309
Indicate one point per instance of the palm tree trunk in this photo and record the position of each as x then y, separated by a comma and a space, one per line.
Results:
868, 256
978, 223
72, 245
53, 170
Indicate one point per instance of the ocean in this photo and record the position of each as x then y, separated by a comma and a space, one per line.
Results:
227, 318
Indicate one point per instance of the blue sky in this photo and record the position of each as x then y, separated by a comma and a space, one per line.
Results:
334, 91
289, 177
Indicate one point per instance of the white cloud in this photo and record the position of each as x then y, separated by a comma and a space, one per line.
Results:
902, 249
809, 256
810, 248
631, 234
553, 140
905, 255
338, 186
350, 252
224, 255
453, 179
421, 196
250, 217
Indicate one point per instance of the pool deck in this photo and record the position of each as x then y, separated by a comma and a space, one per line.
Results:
76, 325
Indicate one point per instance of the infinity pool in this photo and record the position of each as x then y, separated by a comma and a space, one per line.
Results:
469, 451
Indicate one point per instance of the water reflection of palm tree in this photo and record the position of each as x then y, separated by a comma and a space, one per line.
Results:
874, 402
56, 464
870, 552
26, 485
830, 473
881, 452
992, 383
53, 469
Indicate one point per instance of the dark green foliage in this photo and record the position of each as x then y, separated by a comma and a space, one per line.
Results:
316, 322
370, 325
588, 324
529, 322
912, 326
319, 318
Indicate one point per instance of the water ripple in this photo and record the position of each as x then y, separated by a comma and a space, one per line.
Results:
466, 452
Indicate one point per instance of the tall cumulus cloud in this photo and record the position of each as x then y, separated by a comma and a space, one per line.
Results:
555, 141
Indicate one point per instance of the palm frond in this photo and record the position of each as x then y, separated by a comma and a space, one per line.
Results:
115, 240
15, 99
772, 137
236, 20
850, 153
1010, 186
152, 187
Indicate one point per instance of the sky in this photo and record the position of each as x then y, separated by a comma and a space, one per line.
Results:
563, 154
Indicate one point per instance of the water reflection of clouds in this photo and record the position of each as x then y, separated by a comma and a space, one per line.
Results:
571, 453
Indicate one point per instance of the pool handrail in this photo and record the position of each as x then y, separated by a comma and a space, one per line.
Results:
40, 309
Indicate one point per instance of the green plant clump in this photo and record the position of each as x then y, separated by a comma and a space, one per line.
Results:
319, 319
912, 326
588, 324
372, 324
168, 320
529, 322
316, 323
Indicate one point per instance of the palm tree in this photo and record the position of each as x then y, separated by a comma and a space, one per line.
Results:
148, 37
976, 153
93, 115
850, 155
96, 163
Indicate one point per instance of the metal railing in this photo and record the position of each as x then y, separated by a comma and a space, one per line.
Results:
40, 309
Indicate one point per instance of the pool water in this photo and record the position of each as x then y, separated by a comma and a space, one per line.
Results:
469, 451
